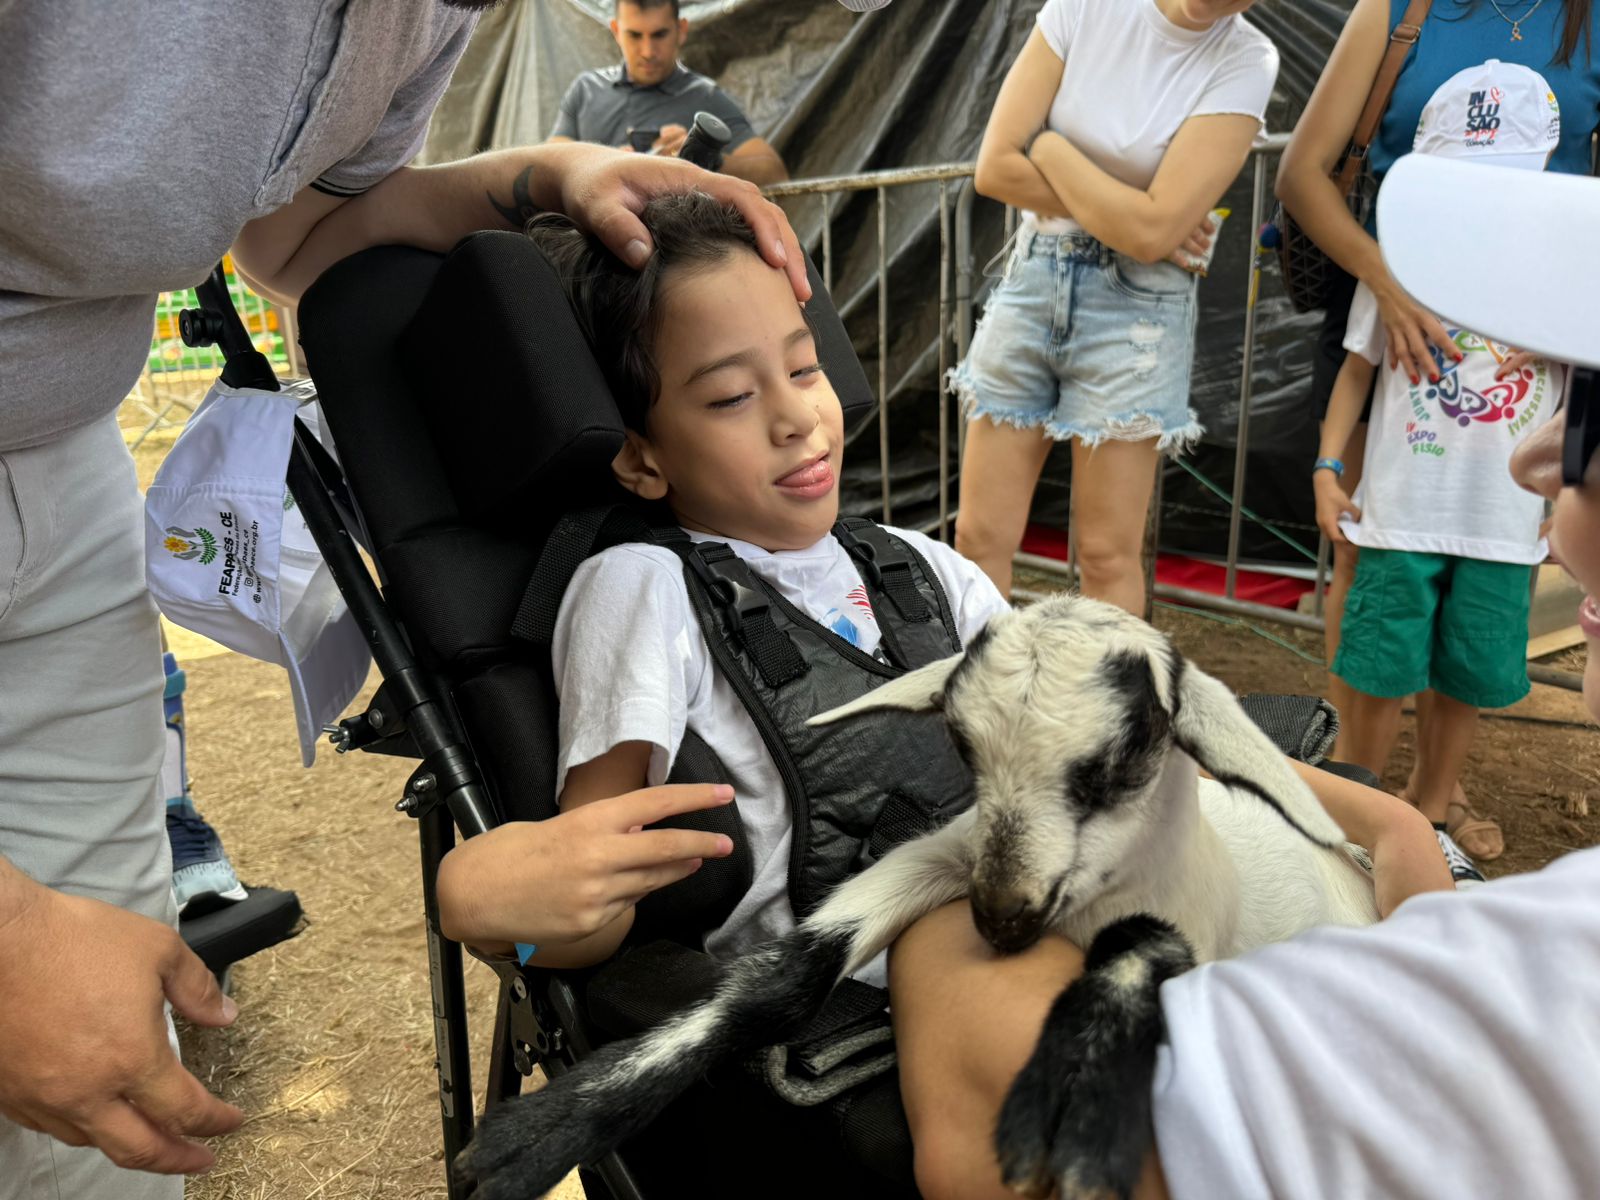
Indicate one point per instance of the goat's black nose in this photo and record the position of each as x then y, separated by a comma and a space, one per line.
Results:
1005, 919
1005, 908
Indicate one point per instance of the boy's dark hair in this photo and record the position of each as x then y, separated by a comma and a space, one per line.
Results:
616, 305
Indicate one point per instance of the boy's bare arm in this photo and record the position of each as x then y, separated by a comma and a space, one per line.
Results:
568, 884
1345, 404
1344, 413
1406, 859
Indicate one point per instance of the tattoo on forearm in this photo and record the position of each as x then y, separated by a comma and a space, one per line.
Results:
522, 209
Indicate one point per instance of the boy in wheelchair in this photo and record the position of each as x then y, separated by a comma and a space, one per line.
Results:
748, 608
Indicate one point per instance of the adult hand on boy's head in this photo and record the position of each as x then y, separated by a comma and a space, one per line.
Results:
568, 877
605, 192
83, 1034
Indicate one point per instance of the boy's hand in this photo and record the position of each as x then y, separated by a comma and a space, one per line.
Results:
1514, 362
84, 1038
568, 877
1332, 503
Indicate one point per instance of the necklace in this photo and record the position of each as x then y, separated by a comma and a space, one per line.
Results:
1516, 26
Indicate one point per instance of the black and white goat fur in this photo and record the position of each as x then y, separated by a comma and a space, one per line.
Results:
1082, 727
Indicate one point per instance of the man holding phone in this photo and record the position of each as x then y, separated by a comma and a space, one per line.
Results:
647, 102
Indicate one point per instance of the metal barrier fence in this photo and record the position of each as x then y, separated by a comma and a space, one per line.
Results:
164, 388
956, 326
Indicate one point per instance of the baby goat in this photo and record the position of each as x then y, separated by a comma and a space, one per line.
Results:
1082, 727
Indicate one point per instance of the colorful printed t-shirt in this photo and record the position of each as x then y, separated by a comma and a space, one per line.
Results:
1437, 475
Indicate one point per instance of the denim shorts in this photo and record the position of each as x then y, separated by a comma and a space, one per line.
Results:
1082, 342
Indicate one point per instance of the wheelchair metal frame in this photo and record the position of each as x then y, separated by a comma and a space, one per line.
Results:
537, 1017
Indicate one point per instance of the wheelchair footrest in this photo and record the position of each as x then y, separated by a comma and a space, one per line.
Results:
225, 935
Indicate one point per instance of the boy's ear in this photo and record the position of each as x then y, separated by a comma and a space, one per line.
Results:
635, 468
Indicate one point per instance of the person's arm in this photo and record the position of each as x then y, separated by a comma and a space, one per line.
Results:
1406, 860
1308, 192
433, 207
1349, 396
1150, 224
756, 161
568, 884
83, 1032
1004, 172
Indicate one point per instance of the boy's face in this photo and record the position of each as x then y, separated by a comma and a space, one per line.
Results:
745, 439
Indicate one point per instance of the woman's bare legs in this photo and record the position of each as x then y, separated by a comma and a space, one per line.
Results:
1111, 486
999, 470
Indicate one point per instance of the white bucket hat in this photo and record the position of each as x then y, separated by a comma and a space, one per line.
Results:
228, 554
1496, 112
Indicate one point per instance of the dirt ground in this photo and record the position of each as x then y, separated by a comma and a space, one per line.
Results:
332, 1055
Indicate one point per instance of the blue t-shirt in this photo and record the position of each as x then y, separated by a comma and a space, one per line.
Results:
1459, 34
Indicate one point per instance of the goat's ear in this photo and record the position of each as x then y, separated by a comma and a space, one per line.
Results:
919, 691
1209, 724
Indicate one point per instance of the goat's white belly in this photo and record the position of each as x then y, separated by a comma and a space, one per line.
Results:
1286, 882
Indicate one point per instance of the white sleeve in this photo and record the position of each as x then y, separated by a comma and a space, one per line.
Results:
625, 658
1242, 83
1452, 1050
972, 594
1055, 21
1363, 330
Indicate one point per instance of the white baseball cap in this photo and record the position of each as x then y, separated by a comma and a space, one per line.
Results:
228, 554
1496, 112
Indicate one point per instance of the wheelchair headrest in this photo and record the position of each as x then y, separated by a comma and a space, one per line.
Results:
518, 408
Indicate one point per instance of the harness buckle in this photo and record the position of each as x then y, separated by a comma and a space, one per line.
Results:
737, 602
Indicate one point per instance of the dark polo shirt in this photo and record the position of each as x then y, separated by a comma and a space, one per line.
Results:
601, 106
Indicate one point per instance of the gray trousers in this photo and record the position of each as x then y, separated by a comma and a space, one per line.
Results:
81, 733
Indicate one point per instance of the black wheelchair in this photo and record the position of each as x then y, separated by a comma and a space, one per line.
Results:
452, 471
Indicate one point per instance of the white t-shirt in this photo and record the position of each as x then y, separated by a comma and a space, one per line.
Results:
1452, 1050
632, 665
1437, 473
1131, 78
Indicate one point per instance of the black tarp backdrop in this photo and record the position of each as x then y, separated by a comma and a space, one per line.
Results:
910, 85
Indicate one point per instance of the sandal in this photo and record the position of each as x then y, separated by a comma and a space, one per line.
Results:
1477, 835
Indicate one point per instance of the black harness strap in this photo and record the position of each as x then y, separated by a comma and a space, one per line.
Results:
884, 565
575, 537
744, 605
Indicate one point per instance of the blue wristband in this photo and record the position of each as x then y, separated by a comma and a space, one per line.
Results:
1332, 464
525, 952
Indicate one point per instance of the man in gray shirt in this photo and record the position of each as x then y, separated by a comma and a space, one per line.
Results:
647, 102
282, 131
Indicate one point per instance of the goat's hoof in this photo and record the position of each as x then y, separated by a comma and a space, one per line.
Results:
508, 1159
1077, 1119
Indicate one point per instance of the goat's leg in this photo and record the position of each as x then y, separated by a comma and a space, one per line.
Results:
524, 1147
1077, 1120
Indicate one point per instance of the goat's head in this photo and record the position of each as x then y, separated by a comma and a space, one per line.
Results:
1067, 713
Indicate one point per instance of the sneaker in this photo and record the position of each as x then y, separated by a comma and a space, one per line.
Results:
1462, 869
200, 867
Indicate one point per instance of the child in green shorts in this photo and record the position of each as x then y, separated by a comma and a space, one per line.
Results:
1439, 606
